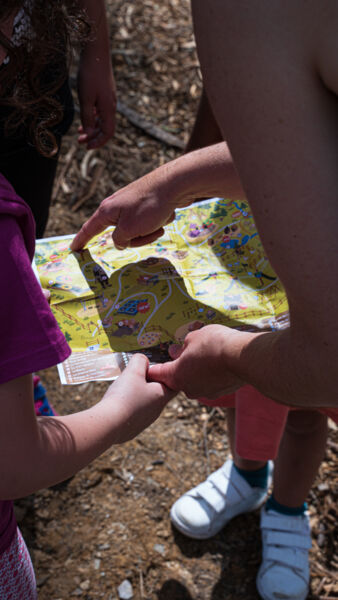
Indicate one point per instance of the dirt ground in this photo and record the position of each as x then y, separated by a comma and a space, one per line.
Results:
110, 523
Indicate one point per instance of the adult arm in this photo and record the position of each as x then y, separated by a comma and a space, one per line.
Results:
39, 452
96, 84
142, 208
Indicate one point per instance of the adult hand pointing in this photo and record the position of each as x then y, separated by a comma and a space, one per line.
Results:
139, 211
142, 208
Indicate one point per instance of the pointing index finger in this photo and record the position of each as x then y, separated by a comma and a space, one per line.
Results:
95, 225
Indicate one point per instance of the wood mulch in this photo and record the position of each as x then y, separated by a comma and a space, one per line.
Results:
110, 523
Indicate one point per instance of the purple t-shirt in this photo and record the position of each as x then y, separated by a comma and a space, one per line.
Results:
30, 337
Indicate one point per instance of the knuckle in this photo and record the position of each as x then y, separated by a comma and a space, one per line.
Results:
102, 212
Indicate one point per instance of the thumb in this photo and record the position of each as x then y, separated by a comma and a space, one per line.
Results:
120, 239
164, 373
138, 365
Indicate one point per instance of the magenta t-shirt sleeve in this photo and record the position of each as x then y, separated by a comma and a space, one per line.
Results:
30, 337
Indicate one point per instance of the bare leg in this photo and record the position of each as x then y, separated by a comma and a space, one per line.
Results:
241, 463
300, 454
205, 131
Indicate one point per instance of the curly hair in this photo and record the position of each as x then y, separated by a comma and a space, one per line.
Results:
38, 67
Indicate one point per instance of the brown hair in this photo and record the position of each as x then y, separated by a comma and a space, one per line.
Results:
38, 67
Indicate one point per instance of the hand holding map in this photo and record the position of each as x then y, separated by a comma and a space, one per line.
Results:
200, 366
134, 412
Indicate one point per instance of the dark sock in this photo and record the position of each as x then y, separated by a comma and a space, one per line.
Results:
257, 478
272, 504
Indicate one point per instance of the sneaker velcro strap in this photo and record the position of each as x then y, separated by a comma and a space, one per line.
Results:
242, 487
220, 480
226, 478
211, 495
226, 488
227, 468
281, 523
291, 540
291, 559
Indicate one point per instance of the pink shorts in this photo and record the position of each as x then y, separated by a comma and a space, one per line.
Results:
260, 422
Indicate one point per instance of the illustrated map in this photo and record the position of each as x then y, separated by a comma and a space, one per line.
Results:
208, 267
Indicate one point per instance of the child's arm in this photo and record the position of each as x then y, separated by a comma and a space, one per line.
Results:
96, 84
39, 452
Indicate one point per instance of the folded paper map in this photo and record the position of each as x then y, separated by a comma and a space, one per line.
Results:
208, 267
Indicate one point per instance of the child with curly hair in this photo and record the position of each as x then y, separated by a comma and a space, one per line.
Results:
37, 39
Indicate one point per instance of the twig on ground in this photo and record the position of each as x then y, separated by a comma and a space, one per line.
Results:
86, 164
320, 587
100, 167
63, 172
141, 584
151, 129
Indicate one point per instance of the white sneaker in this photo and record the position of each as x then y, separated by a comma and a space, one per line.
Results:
284, 572
204, 510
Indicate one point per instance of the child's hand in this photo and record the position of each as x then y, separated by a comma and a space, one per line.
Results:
47, 450
135, 403
139, 211
97, 97
200, 367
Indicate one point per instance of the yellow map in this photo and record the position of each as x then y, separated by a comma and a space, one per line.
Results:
209, 267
